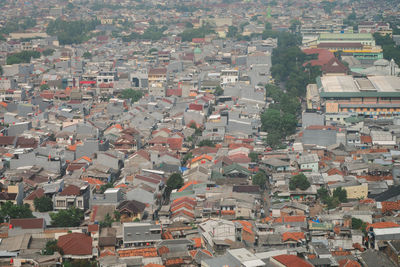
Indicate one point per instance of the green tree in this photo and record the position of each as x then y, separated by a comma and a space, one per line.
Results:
232, 32
104, 187
51, 247
218, 91
43, 204
206, 142
107, 222
299, 181
87, 55
71, 217
44, 86
323, 194
260, 179
253, 156
186, 158
11, 211
22, 57
341, 194
48, 52
175, 181
71, 32
133, 95
117, 215
274, 140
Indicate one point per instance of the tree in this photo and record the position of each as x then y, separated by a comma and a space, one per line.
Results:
299, 181
253, 156
87, 55
11, 211
175, 181
43, 204
232, 32
274, 140
48, 52
71, 32
51, 247
323, 194
22, 57
71, 217
107, 221
44, 86
206, 142
133, 95
218, 91
341, 194
260, 179
117, 215
104, 187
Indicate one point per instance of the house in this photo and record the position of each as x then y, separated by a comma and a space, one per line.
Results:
131, 210
72, 196
308, 162
289, 261
76, 246
140, 234
215, 232
38, 193
276, 164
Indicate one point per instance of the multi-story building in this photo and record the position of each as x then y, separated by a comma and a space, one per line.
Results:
371, 96
72, 196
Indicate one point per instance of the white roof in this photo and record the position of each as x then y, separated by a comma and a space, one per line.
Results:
387, 231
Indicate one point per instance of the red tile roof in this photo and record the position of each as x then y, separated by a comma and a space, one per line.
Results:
187, 185
294, 236
197, 242
28, 223
380, 225
75, 244
291, 261
71, 190
38, 193
143, 252
390, 206
348, 263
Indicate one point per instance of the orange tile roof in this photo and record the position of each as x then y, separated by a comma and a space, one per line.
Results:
193, 253
154, 265
227, 212
340, 253
181, 206
287, 219
177, 261
197, 242
84, 158
207, 252
143, 252
390, 206
73, 147
94, 181
348, 263
291, 261
163, 250
121, 185
167, 235
106, 253
295, 236
380, 225
367, 201
187, 185
201, 158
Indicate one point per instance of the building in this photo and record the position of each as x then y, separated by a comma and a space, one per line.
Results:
371, 96
141, 234
72, 196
